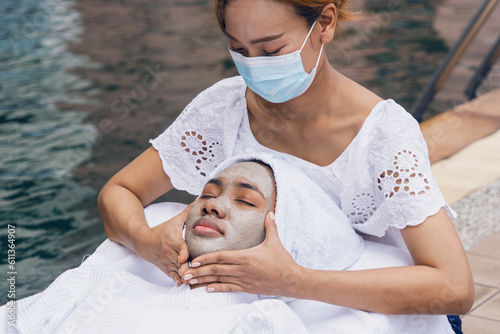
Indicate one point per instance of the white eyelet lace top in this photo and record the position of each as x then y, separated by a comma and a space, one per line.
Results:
383, 179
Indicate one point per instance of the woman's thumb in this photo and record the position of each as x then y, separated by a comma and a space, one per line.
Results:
183, 253
270, 225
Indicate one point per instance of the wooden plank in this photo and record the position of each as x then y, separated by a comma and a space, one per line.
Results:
470, 169
453, 130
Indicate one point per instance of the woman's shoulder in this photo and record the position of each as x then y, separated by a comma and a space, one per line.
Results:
230, 83
389, 119
388, 127
390, 111
220, 98
218, 108
203, 135
392, 131
225, 87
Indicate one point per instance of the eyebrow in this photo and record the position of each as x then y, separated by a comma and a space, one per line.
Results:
216, 182
246, 185
258, 40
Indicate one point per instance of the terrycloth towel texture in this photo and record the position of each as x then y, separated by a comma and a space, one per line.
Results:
325, 318
116, 291
311, 227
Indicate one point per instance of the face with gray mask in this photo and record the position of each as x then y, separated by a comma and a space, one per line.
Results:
230, 212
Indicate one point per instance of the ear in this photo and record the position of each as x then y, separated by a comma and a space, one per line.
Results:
328, 23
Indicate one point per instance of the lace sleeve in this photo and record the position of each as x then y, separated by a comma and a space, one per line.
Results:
406, 192
201, 137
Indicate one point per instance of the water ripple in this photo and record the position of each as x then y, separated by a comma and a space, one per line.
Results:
40, 145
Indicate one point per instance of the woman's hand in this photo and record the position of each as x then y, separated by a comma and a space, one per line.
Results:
164, 246
267, 269
121, 204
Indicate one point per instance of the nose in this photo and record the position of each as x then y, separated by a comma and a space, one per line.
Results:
214, 207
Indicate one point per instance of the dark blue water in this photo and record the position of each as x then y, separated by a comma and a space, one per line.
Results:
40, 145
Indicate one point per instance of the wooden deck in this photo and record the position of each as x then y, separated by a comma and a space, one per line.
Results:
453, 130
464, 145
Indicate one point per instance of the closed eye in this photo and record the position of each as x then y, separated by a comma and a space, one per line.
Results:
245, 202
239, 50
272, 53
266, 53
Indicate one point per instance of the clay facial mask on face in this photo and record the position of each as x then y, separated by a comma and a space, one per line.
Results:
230, 213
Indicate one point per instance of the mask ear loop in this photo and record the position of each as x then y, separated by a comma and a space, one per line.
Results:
319, 56
307, 37
304, 44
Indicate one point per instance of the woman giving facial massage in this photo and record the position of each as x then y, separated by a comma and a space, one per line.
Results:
132, 295
366, 153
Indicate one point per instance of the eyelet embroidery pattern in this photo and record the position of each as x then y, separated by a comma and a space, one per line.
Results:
203, 151
362, 206
405, 176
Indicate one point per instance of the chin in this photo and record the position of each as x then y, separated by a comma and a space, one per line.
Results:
194, 252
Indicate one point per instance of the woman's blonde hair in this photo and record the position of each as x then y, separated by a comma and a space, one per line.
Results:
309, 10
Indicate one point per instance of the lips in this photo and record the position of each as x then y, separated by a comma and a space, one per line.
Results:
207, 228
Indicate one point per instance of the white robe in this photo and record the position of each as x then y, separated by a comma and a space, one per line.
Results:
116, 291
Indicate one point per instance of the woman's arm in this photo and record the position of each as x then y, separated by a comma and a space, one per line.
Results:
440, 282
121, 204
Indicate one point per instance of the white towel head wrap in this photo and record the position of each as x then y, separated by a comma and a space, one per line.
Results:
311, 226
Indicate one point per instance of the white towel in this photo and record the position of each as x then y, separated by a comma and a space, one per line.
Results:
105, 299
321, 318
311, 227
113, 292
116, 291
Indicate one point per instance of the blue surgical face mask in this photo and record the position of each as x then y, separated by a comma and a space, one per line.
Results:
276, 79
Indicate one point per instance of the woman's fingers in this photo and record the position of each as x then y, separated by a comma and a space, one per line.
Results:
218, 281
208, 279
182, 269
262, 269
225, 287
212, 273
223, 257
164, 247
175, 276
181, 246
174, 262
173, 252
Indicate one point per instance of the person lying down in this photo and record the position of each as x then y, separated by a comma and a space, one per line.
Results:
116, 291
